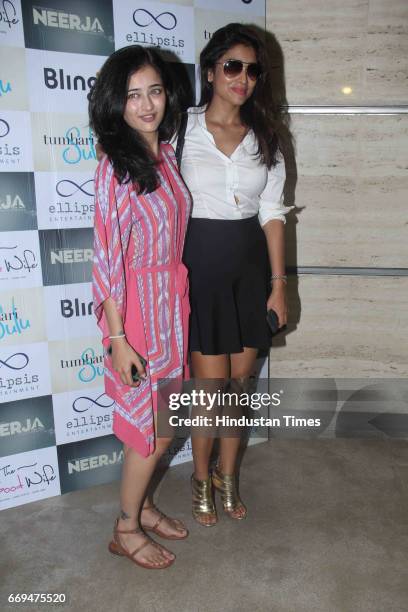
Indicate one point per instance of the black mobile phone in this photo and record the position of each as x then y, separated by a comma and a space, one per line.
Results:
134, 372
273, 321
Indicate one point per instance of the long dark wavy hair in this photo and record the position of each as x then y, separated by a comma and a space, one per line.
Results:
259, 112
127, 150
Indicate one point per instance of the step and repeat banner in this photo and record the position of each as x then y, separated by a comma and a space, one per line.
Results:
55, 419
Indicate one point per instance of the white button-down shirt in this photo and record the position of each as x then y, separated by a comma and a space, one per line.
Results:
235, 187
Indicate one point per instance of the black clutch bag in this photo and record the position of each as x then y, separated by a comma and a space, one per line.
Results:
273, 321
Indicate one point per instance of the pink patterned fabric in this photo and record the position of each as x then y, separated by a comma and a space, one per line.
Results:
149, 285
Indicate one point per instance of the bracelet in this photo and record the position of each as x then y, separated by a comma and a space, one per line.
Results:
279, 276
118, 336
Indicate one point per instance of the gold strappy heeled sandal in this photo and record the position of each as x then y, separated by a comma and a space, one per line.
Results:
203, 501
227, 487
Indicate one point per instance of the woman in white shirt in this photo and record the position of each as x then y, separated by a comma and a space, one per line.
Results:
235, 172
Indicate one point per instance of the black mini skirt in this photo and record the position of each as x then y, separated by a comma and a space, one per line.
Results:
229, 285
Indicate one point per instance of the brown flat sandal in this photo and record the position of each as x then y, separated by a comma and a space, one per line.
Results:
116, 548
161, 533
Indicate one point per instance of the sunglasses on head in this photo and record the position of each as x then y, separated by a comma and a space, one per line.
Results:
233, 68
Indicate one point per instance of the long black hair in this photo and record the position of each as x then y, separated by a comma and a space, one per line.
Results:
259, 112
127, 150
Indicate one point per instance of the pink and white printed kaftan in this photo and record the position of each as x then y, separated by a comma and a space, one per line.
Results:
138, 245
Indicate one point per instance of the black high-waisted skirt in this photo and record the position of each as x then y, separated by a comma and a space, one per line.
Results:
229, 285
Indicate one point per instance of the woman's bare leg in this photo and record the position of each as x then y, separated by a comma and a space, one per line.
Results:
210, 372
136, 474
242, 366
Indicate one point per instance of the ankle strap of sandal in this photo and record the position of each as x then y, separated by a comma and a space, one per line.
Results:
135, 530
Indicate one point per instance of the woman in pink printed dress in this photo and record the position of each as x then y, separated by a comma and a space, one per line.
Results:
140, 286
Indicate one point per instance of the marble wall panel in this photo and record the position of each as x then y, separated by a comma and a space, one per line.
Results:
351, 191
361, 44
345, 327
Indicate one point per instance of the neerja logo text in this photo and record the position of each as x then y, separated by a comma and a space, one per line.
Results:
20, 427
92, 463
11, 202
71, 256
66, 21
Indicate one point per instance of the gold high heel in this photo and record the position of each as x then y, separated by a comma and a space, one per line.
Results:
227, 487
203, 502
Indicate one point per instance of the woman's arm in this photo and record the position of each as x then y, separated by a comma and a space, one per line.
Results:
275, 237
105, 287
123, 355
272, 216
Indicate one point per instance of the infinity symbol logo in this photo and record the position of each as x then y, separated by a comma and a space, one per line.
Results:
168, 23
20, 360
89, 401
4, 128
60, 189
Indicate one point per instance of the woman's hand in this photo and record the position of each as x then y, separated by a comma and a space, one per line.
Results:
123, 357
277, 302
